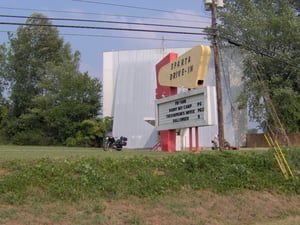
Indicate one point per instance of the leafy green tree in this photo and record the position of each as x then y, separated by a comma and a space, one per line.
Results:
31, 48
3, 58
50, 97
69, 97
269, 34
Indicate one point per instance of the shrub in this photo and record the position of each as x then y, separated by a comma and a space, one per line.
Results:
32, 137
71, 142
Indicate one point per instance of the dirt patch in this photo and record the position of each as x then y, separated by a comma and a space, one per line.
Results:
194, 208
3, 171
209, 208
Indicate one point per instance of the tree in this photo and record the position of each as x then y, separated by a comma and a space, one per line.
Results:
50, 97
69, 97
269, 33
3, 102
3, 58
31, 48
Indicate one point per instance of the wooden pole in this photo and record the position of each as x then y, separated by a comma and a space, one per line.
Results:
218, 74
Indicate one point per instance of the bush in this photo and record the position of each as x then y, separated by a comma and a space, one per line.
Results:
71, 142
32, 137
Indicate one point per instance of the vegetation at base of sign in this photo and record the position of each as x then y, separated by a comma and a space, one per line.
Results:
143, 176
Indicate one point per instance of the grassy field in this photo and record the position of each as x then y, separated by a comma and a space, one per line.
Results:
8, 152
61, 185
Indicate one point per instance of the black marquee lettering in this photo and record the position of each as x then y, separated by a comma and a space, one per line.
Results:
190, 69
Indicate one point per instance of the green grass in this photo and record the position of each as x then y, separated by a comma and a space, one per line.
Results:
56, 181
12, 152
56, 173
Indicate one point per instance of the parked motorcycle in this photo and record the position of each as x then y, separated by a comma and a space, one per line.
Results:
111, 142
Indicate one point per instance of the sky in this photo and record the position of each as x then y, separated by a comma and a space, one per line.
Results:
91, 43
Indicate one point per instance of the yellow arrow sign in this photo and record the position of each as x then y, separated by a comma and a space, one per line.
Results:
188, 71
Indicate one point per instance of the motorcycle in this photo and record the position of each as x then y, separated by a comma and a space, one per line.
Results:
111, 142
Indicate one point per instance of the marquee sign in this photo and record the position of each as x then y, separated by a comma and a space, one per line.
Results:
189, 109
188, 71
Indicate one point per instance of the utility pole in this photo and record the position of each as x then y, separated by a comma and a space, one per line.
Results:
212, 5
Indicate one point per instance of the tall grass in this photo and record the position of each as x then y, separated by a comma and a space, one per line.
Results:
143, 176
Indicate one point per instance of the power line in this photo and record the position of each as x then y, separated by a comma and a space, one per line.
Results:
127, 37
103, 21
100, 14
117, 36
103, 28
136, 7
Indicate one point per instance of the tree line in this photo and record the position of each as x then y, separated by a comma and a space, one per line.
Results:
268, 34
45, 99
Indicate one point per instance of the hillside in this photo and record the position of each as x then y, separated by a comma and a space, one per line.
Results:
210, 188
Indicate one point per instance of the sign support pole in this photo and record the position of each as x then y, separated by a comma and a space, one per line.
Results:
167, 137
191, 138
197, 140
